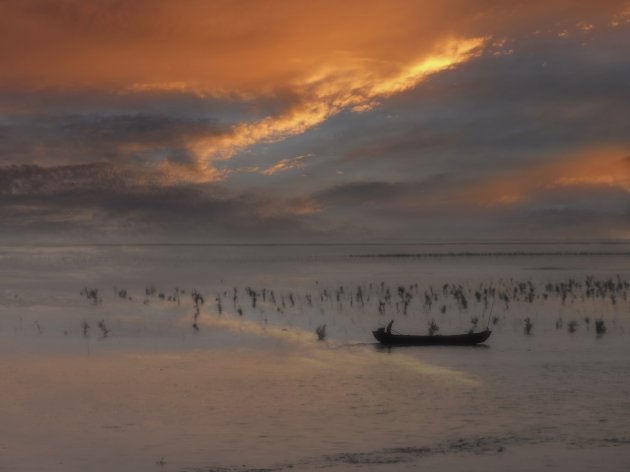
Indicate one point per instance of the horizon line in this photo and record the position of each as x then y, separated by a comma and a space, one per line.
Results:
321, 244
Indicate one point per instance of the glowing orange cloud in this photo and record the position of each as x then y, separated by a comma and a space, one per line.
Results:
286, 164
327, 55
602, 168
353, 85
222, 47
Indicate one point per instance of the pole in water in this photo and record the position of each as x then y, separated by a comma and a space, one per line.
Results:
490, 314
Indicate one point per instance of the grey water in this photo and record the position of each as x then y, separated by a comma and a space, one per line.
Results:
251, 388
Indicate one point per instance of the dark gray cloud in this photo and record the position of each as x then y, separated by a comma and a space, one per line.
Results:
413, 212
101, 202
570, 213
361, 193
139, 138
36, 181
392, 196
227, 109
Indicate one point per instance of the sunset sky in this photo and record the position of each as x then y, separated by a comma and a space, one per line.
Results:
314, 121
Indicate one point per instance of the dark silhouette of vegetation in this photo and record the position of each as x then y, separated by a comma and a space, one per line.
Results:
320, 331
600, 327
92, 295
198, 301
433, 328
104, 329
409, 299
474, 321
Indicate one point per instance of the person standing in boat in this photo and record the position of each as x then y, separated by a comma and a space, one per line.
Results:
388, 330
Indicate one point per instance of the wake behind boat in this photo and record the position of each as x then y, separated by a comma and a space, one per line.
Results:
385, 336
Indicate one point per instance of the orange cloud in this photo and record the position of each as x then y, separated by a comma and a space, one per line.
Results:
354, 85
594, 169
286, 164
623, 17
244, 47
219, 47
284, 207
331, 55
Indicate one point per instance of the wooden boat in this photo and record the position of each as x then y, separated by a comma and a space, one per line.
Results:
468, 339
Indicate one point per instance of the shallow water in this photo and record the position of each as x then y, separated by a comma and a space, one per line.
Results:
258, 391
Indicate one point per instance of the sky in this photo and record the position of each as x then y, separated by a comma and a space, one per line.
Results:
260, 121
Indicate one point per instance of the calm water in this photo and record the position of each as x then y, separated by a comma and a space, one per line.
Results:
252, 388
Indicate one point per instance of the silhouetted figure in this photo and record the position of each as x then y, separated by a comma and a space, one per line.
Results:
388, 330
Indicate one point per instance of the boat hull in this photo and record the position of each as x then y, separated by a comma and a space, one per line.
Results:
469, 339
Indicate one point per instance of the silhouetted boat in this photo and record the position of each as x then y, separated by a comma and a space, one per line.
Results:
468, 339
